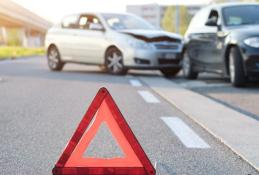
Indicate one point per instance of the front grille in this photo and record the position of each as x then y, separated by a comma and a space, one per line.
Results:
166, 45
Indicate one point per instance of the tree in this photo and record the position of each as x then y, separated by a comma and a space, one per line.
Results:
13, 37
168, 22
184, 19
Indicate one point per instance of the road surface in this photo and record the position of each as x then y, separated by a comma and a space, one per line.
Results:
243, 99
40, 109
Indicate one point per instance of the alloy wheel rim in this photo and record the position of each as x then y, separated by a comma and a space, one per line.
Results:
53, 58
231, 68
115, 62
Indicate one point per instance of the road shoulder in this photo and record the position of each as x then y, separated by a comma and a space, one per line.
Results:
236, 130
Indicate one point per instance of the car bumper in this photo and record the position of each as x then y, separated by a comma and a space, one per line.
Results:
251, 60
153, 59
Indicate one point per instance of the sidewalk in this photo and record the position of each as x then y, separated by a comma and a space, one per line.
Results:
238, 131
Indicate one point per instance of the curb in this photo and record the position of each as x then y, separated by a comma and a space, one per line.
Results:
214, 117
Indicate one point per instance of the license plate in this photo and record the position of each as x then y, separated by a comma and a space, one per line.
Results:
169, 56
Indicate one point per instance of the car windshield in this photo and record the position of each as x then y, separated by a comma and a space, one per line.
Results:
241, 15
124, 22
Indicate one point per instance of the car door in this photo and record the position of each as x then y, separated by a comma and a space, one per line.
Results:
90, 40
195, 36
66, 38
211, 44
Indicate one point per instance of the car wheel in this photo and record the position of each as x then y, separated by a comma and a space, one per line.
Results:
170, 72
54, 61
188, 71
236, 69
114, 62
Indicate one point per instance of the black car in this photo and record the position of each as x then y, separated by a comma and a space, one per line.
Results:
223, 38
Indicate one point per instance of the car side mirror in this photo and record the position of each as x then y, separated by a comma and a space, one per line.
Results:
211, 22
96, 26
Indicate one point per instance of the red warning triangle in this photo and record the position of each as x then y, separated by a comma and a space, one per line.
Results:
103, 110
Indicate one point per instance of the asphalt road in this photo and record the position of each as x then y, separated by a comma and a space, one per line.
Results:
40, 109
244, 100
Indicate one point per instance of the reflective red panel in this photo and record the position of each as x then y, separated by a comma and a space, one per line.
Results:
103, 110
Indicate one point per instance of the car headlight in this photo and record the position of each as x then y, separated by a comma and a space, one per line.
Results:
252, 42
139, 44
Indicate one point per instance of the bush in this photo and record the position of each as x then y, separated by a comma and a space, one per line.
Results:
13, 52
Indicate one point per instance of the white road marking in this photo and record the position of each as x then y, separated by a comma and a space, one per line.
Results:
187, 136
135, 83
148, 97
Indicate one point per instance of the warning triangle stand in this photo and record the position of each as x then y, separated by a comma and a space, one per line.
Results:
103, 110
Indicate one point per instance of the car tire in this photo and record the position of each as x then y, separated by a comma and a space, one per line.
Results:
170, 72
236, 68
54, 61
188, 71
114, 62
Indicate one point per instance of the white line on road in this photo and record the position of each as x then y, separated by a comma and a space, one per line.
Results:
187, 136
148, 97
135, 83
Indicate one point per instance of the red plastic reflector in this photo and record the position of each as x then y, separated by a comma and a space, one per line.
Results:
103, 110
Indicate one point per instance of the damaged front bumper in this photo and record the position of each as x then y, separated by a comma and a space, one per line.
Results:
162, 56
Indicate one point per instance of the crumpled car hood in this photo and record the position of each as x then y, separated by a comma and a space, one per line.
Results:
153, 35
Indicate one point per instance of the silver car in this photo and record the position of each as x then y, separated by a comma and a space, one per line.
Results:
117, 42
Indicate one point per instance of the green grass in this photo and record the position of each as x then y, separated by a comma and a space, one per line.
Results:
8, 52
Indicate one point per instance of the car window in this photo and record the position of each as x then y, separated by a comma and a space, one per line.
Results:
126, 21
214, 16
86, 20
241, 15
70, 21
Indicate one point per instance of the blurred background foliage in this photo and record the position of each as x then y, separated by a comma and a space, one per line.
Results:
170, 24
13, 48
169, 20
11, 52
13, 37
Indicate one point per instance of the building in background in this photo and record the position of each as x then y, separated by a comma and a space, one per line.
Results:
19, 26
150, 12
173, 18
